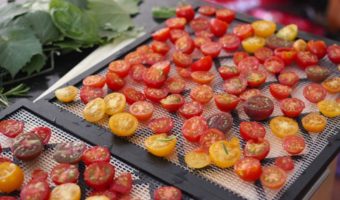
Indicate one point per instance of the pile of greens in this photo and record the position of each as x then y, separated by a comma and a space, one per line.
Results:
30, 31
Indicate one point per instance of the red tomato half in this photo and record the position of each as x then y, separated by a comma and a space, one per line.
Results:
175, 85
183, 72
225, 14
273, 177
172, 102
280, 91
200, 40
204, 34
202, 77
230, 42
247, 64
235, 85
167, 193
132, 95
288, 78
212, 49
293, 144
314, 92
185, 45
193, 128
317, 47
107, 193
238, 56
38, 175
274, 64
286, 163
122, 184
8, 198
263, 54
137, 71
333, 53
99, 176
155, 94
120, 67
160, 47
292, 107
114, 82
176, 23
203, 64
257, 149
226, 102
209, 137
161, 125
144, 49
89, 93
161, 35
11, 128
249, 93
191, 109
185, 11
43, 132
252, 131
96, 154
134, 58
255, 78
163, 66
243, 31
154, 78
288, 55
64, 173
218, 27
199, 24
152, 58
202, 93
38, 190
248, 169
142, 110
181, 59
305, 59
227, 72
97, 81
175, 34
207, 10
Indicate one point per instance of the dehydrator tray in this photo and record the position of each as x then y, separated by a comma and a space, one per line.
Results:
213, 182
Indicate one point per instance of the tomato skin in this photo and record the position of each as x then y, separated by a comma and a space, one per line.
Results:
273, 171
193, 128
247, 64
288, 55
199, 24
96, 154
209, 137
293, 144
12, 177
258, 107
314, 123
226, 102
255, 78
332, 85
314, 92
305, 59
207, 10
172, 102
317, 73
97, 81
279, 91
225, 14
252, 131
333, 53
202, 93
212, 49
181, 59
185, 45
35, 190
175, 85
230, 42
114, 82
191, 109
64, 173
43, 132
258, 149
161, 125
132, 95
243, 31
176, 23
120, 67
248, 169
154, 78
167, 193
161, 35
292, 107
235, 85
159, 47
142, 110
202, 77
137, 71
274, 64
238, 56
185, 11
249, 93
154, 94
263, 54
227, 72
11, 128
286, 163
218, 27
203, 64
99, 176
317, 47
122, 184
288, 78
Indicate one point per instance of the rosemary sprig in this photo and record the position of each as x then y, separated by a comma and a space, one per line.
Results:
225, 149
167, 139
18, 91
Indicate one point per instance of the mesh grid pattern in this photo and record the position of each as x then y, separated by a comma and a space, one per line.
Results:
226, 178
143, 185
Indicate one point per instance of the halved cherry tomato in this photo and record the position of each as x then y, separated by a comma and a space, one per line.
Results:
314, 92
137, 71
97, 81
274, 64
225, 14
181, 59
275, 42
160, 47
317, 47
11, 127
38, 175
200, 40
43, 132
248, 169
134, 58
212, 49
70, 190
207, 10
185, 11
161, 35
226, 102
160, 145
12, 177
235, 85
199, 24
329, 108
273, 177
114, 103
283, 126
191, 109
114, 82
64, 173
132, 95
122, 184
142, 110
264, 28
220, 121
175, 85
202, 94
300, 45
209, 137
218, 27
96, 154
258, 107
66, 94
103, 195
8, 198
243, 31
288, 78
279, 91
154, 78
202, 77
167, 193
144, 49
89, 93
176, 23
305, 59
175, 34
255, 78
69, 152
292, 107
163, 66
252, 131
238, 56
230, 42
333, 53
263, 54
205, 34
185, 44
293, 144
332, 85
152, 58
161, 125
249, 93
317, 73
155, 94
35, 190
251, 44
288, 55
247, 64
258, 148
123, 124
193, 128
314, 122
224, 153
289, 32
172, 102
94, 110
4, 159
197, 159
120, 67
99, 175
227, 72
286, 163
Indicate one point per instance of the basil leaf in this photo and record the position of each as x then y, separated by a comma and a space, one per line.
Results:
163, 12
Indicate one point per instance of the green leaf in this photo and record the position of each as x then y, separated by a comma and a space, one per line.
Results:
17, 46
73, 22
129, 6
163, 12
72, 45
9, 12
110, 15
79, 3
35, 65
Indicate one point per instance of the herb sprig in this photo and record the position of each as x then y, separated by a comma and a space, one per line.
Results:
18, 91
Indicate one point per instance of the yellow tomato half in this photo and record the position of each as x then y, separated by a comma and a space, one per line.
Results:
314, 122
332, 85
66, 191
224, 153
197, 159
94, 110
66, 94
101, 197
114, 103
252, 44
123, 124
283, 126
160, 144
329, 108
11, 177
264, 28
288, 32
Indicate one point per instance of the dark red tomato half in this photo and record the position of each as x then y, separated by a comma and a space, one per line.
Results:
163, 66
155, 94
175, 85
292, 107
220, 121
185, 45
44, 133
229, 42
193, 128
225, 14
207, 10
247, 64
176, 23
317, 47
172, 102
317, 73
274, 64
288, 55
258, 149
305, 59
160, 47
27, 146
137, 71
122, 184
99, 176
175, 34
120, 67
11, 128
249, 93
97, 81
181, 59
64, 173
114, 82
154, 78
263, 54
258, 107
38, 190
96, 154
161, 35
333, 53
185, 11
288, 78
69, 152
243, 31
293, 144
227, 72
226, 102
286, 163
203, 64
218, 27
238, 56
199, 24
191, 109
280, 91
235, 85
132, 95
209, 137
252, 131
212, 49
161, 125
314, 92
167, 193
199, 41
89, 93
255, 78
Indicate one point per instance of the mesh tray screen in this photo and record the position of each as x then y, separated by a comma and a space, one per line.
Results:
143, 185
226, 178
